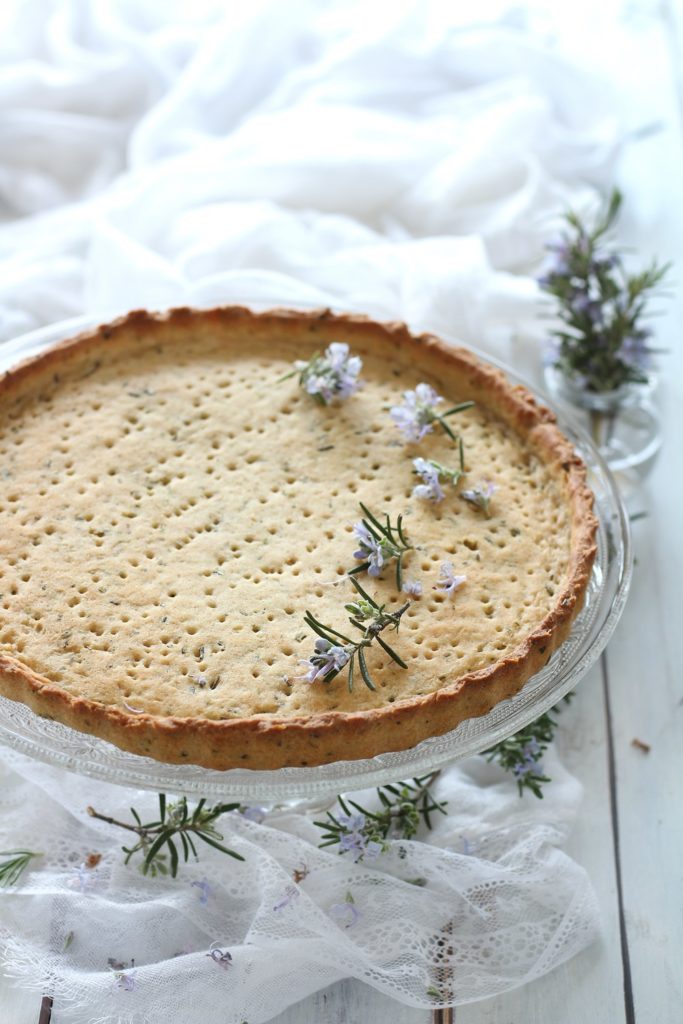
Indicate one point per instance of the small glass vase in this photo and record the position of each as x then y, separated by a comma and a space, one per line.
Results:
622, 423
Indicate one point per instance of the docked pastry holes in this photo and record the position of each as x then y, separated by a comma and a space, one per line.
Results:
176, 510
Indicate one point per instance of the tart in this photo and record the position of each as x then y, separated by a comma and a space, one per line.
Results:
172, 506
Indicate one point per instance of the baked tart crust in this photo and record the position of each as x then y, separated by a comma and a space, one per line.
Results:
171, 507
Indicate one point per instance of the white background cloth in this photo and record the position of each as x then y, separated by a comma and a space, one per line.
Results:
398, 159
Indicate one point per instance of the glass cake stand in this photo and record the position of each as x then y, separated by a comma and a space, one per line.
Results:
59, 745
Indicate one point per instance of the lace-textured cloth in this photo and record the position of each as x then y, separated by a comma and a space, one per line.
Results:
483, 903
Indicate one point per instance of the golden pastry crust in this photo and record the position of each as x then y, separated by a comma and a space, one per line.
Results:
172, 507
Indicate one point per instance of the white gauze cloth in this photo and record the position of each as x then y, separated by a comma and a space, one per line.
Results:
484, 902
397, 159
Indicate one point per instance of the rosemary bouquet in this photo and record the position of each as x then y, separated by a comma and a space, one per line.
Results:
602, 343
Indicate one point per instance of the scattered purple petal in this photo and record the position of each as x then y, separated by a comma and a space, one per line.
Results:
205, 891
256, 814
291, 894
412, 587
347, 913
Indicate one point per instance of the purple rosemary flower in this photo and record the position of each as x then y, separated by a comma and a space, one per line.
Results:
430, 489
346, 913
527, 767
448, 581
380, 542
480, 496
432, 473
291, 894
371, 550
417, 414
412, 587
355, 839
204, 891
635, 351
326, 662
332, 375
530, 764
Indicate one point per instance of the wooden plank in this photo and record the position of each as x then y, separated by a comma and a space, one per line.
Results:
647, 705
17, 1006
645, 681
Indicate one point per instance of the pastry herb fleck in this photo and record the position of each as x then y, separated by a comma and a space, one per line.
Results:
380, 543
330, 655
365, 833
176, 824
331, 375
602, 343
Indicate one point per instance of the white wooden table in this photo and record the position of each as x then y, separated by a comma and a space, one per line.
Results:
629, 834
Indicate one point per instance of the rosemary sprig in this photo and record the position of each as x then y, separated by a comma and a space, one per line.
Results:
379, 543
364, 832
521, 754
441, 420
11, 870
602, 343
157, 839
330, 657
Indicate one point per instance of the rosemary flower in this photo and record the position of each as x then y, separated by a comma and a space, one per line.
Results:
416, 417
327, 661
448, 581
291, 894
431, 473
346, 913
204, 891
380, 543
412, 587
354, 838
480, 496
371, 550
332, 375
